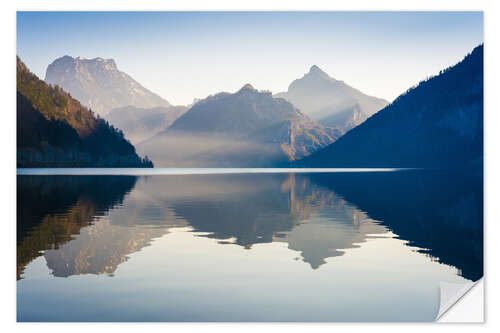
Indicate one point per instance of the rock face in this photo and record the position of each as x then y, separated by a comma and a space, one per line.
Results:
55, 130
249, 128
98, 84
331, 102
439, 123
140, 124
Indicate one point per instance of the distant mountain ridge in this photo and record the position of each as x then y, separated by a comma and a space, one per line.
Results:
55, 130
98, 84
331, 102
438, 123
247, 128
139, 124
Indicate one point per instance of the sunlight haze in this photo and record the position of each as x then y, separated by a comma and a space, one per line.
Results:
188, 55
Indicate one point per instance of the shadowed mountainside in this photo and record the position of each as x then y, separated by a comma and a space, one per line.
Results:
438, 123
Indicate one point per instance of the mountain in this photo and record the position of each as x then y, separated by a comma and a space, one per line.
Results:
249, 128
331, 102
98, 84
55, 130
438, 123
139, 124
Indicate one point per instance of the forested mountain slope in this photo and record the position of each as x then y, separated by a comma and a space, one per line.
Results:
438, 123
55, 130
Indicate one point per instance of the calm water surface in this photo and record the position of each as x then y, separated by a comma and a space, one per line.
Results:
187, 246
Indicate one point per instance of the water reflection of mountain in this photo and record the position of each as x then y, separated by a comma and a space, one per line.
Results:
78, 233
438, 211
52, 209
319, 215
99, 248
331, 232
250, 209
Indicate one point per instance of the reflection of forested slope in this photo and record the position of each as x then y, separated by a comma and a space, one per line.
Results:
440, 211
51, 209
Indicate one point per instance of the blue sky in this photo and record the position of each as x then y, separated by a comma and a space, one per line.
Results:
187, 55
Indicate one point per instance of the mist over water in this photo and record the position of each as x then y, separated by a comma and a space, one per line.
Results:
186, 150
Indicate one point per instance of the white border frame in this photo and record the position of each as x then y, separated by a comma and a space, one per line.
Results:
7, 138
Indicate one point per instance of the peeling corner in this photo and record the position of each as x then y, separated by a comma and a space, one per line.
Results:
450, 294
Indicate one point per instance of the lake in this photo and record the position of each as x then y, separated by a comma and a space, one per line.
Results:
244, 245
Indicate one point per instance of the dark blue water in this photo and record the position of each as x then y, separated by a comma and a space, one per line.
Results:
330, 246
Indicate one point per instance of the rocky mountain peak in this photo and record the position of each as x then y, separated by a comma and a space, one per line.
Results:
103, 64
329, 101
315, 71
248, 87
99, 85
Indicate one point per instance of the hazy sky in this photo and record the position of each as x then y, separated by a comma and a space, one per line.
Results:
182, 56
